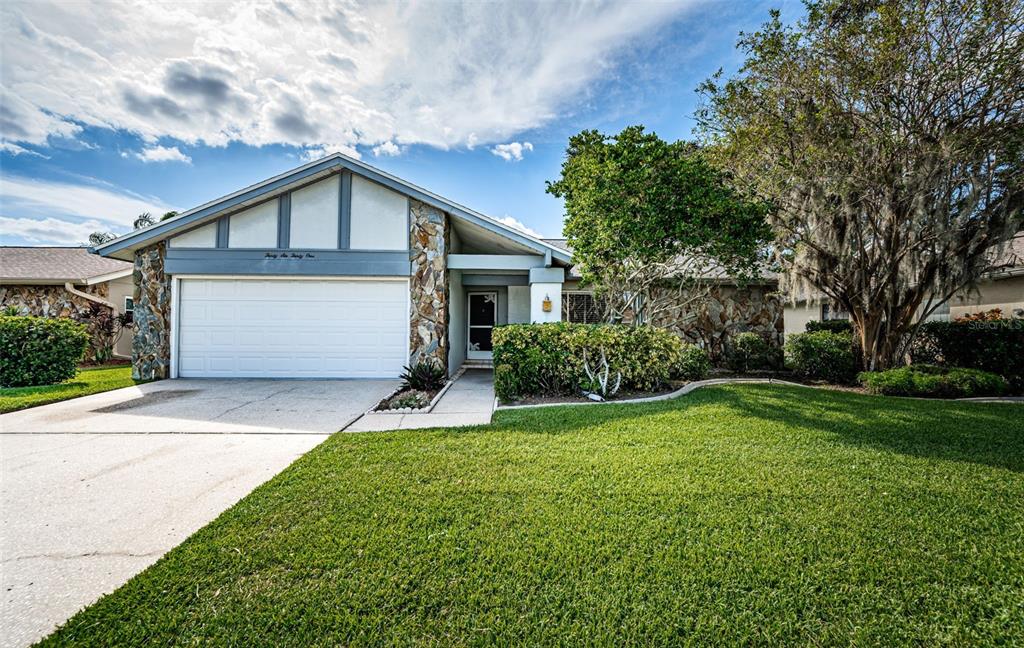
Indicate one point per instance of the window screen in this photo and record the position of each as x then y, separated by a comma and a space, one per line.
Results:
581, 308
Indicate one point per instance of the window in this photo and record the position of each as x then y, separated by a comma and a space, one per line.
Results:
581, 308
829, 313
129, 308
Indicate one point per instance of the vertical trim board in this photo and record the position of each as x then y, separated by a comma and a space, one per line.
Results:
345, 211
284, 220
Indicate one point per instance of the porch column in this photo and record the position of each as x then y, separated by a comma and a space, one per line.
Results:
546, 285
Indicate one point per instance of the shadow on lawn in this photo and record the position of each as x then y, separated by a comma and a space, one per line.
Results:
989, 434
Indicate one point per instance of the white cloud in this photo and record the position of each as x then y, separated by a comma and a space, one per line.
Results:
387, 148
513, 151
515, 223
14, 149
114, 209
442, 74
163, 154
49, 231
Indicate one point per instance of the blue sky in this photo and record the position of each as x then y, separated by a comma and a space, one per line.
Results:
105, 114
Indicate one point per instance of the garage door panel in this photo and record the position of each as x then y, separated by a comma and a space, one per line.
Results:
285, 328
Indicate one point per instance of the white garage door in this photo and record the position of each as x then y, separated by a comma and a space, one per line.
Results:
292, 328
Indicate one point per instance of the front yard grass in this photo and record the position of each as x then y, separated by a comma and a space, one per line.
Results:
746, 514
92, 380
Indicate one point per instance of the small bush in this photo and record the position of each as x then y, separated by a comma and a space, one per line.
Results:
425, 375
39, 350
933, 382
833, 326
751, 352
410, 399
995, 346
822, 355
533, 359
692, 364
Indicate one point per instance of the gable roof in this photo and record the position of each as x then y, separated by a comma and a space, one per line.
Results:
57, 265
123, 246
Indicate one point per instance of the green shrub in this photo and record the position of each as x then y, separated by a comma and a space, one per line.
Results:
692, 364
425, 375
751, 352
39, 350
996, 346
821, 355
833, 326
933, 382
533, 359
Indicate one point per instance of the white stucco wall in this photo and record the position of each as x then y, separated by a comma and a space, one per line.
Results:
255, 227
518, 304
380, 217
456, 321
201, 237
795, 318
538, 293
314, 215
118, 290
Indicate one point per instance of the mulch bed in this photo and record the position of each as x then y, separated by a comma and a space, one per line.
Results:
428, 395
622, 395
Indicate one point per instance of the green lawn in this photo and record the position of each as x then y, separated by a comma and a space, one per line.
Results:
749, 514
88, 381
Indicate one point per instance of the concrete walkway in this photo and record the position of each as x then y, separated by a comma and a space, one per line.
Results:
469, 401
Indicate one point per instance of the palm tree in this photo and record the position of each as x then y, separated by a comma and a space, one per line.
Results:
99, 238
145, 219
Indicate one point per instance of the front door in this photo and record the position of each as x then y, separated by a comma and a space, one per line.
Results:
483, 314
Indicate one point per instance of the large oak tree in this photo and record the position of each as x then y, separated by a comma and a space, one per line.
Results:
890, 138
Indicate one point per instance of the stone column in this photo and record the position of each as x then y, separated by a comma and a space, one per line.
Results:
546, 285
151, 344
428, 250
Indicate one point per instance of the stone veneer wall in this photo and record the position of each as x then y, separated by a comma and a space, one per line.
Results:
50, 301
151, 346
429, 238
728, 312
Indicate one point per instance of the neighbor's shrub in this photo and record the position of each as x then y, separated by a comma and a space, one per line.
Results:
822, 355
931, 381
532, 359
425, 375
750, 352
692, 364
996, 346
834, 326
39, 350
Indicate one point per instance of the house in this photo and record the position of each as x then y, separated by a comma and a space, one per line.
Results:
732, 308
334, 269
1003, 288
64, 282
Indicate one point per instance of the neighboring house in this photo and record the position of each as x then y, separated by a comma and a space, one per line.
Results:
63, 282
333, 269
1002, 289
733, 308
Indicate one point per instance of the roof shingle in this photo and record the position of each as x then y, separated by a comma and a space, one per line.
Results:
54, 265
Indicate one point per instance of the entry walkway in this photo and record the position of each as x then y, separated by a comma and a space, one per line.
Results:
469, 401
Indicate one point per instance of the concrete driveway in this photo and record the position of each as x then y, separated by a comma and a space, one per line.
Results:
94, 490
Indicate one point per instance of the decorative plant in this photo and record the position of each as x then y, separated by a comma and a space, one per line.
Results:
105, 328
425, 375
409, 399
597, 378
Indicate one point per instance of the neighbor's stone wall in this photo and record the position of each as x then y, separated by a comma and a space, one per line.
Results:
728, 312
151, 346
429, 238
50, 301
53, 301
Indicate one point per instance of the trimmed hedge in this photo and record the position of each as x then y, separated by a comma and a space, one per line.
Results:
933, 382
833, 326
547, 359
996, 346
751, 352
39, 350
693, 364
822, 355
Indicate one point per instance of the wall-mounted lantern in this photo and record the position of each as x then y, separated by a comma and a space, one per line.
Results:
546, 304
